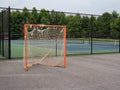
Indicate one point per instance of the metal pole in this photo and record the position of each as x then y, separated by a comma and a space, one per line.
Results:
56, 46
9, 35
56, 35
119, 42
91, 34
0, 31
2, 36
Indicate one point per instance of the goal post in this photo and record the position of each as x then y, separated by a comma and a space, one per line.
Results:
45, 45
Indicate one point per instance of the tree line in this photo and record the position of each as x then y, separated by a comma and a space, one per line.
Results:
106, 25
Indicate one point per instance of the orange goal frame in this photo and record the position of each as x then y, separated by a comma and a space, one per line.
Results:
25, 42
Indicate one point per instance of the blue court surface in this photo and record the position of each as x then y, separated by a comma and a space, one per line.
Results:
73, 47
95, 46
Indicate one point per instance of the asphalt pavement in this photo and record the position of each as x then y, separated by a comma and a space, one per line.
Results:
85, 72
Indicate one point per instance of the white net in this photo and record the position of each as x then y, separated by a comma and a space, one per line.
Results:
44, 45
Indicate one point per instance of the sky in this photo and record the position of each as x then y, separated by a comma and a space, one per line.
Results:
75, 6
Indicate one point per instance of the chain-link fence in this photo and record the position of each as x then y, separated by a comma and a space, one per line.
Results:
86, 33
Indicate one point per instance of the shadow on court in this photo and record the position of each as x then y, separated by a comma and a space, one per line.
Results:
86, 72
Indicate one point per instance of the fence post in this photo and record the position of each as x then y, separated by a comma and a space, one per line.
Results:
2, 36
56, 36
119, 42
9, 34
91, 34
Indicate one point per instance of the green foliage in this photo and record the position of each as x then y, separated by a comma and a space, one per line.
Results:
16, 24
61, 19
115, 26
26, 15
103, 25
85, 26
33, 16
78, 26
115, 15
44, 17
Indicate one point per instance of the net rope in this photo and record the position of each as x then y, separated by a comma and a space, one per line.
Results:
45, 45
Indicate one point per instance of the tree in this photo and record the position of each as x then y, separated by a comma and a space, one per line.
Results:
73, 25
93, 27
34, 16
53, 17
44, 16
16, 24
115, 26
26, 15
114, 15
85, 26
69, 24
103, 25
77, 25
61, 20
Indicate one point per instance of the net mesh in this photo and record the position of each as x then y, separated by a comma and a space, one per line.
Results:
44, 44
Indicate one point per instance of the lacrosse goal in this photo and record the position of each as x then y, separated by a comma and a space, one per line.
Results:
44, 44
